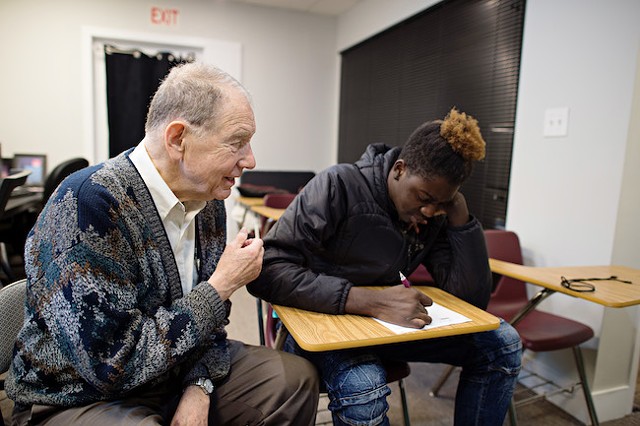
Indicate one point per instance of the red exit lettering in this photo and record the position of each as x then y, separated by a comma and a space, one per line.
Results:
160, 16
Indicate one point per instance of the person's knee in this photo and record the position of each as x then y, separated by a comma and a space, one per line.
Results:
300, 377
503, 349
358, 395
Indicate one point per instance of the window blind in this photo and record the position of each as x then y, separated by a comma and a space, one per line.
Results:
462, 53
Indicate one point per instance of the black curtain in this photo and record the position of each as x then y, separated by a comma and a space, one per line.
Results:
132, 79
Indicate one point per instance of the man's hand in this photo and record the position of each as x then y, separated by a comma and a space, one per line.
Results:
398, 305
240, 263
457, 210
193, 409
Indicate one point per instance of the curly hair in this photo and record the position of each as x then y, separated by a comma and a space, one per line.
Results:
445, 148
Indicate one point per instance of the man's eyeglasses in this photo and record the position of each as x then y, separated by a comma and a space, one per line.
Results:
583, 286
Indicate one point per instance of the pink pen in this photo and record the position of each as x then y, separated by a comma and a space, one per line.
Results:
405, 281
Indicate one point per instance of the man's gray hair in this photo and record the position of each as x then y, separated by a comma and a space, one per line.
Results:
192, 92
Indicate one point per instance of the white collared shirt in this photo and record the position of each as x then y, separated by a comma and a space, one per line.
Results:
178, 218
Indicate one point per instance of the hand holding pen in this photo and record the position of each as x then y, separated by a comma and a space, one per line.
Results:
420, 318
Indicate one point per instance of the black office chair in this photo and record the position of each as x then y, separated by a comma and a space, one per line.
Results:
59, 173
7, 185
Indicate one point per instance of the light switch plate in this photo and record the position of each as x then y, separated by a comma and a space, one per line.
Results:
556, 122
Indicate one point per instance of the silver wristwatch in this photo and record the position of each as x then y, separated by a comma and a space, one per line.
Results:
204, 383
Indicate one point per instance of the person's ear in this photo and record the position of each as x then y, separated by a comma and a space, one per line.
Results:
399, 167
174, 135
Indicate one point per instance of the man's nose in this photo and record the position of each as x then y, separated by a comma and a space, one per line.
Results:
429, 210
248, 161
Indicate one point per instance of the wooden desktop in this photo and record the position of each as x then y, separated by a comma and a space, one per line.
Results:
315, 331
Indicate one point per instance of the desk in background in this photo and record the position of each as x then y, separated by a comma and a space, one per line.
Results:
315, 331
612, 294
614, 367
269, 213
249, 202
256, 205
242, 209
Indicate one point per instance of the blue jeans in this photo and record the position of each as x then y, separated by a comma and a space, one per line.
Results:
356, 382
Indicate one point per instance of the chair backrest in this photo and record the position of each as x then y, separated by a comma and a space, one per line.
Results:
505, 245
59, 173
278, 201
8, 184
12, 299
420, 276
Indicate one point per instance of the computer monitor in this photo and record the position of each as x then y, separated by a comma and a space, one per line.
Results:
5, 167
36, 163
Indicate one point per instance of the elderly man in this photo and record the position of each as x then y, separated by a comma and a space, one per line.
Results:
129, 281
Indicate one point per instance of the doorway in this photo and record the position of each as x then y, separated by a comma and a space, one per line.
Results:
224, 54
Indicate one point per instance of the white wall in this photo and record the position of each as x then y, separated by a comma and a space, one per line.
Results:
289, 65
565, 192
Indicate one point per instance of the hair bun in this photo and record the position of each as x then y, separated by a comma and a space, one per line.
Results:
463, 134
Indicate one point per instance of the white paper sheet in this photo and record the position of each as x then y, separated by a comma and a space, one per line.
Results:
440, 316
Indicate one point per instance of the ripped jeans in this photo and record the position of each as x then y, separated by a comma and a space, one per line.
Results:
356, 382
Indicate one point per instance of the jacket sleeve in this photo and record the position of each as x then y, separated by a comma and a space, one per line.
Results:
459, 263
287, 278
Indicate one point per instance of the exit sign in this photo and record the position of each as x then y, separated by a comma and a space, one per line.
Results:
167, 17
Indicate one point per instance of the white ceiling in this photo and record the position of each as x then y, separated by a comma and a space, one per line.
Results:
323, 7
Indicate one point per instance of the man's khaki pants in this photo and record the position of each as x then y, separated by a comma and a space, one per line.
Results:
264, 387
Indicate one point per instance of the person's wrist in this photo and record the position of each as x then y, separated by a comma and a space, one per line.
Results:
219, 285
203, 384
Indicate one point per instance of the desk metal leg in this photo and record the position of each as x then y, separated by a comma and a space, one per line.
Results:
513, 418
533, 303
260, 321
405, 409
435, 390
577, 353
281, 336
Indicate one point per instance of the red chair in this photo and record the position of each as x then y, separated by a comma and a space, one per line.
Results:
420, 276
277, 201
539, 331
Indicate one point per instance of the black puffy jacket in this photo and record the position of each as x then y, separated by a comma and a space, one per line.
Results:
342, 230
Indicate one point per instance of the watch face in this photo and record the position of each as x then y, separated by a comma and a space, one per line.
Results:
207, 385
